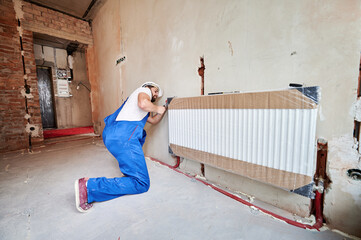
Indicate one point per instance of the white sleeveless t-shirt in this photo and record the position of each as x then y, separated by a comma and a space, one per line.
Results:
131, 111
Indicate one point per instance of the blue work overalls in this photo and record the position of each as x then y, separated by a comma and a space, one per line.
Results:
124, 139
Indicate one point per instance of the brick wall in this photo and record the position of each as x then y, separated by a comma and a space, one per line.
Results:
33, 104
13, 104
46, 21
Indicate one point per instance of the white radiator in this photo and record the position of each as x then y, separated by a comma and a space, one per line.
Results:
266, 136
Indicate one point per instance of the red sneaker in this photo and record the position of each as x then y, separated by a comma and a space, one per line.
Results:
81, 196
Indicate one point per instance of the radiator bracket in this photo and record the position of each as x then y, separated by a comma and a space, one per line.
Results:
312, 93
306, 191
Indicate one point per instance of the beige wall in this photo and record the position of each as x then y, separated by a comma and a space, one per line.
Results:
247, 46
107, 49
81, 107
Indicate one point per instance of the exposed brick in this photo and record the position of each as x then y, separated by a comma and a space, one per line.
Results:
40, 18
28, 16
36, 12
12, 103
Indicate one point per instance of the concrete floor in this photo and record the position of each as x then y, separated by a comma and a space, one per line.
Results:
37, 202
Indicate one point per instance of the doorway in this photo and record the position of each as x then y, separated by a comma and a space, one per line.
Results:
46, 97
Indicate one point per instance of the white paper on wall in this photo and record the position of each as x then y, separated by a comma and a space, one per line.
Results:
63, 88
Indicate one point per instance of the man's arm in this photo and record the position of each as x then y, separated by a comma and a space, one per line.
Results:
156, 118
146, 105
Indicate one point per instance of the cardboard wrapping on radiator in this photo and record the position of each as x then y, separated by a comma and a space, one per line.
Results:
266, 136
287, 99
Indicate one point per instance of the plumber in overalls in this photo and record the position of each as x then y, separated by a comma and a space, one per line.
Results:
124, 136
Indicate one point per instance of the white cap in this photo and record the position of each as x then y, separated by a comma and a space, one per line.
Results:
160, 94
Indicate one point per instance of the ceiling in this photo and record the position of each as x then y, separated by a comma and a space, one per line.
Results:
77, 8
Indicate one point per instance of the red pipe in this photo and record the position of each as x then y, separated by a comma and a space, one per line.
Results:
319, 219
178, 163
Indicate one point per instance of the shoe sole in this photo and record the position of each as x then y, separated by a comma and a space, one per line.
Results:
77, 203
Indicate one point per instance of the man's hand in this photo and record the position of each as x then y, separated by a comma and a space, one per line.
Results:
161, 110
156, 118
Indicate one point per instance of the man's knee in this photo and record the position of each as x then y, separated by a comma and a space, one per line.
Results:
143, 186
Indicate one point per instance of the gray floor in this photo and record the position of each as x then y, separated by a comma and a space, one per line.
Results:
37, 202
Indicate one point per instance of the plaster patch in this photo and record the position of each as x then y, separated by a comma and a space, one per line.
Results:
250, 197
20, 30
345, 234
27, 95
230, 47
255, 209
18, 6
345, 156
201, 177
32, 129
27, 116
177, 45
324, 228
355, 110
311, 220
344, 152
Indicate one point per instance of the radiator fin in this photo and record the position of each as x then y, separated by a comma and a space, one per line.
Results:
277, 138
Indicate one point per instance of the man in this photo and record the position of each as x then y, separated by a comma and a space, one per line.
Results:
124, 137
